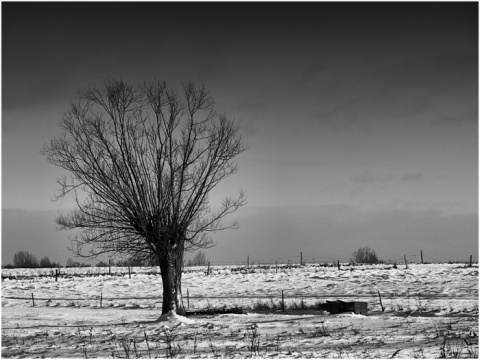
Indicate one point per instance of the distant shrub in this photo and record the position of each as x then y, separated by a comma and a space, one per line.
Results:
102, 263
46, 263
134, 261
198, 259
364, 256
8, 266
71, 263
23, 259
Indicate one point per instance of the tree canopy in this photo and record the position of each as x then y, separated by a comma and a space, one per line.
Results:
141, 162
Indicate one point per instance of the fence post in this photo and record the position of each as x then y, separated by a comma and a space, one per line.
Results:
406, 264
471, 260
56, 275
33, 300
421, 256
188, 300
381, 304
338, 264
101, 298
283, 302
208, 268
129, 273
248, 261
301, 258
276, 266
109, 267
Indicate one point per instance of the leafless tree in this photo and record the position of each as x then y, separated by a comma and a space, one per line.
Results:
142, 160
45, 262
364, 255
198, 259
23, 259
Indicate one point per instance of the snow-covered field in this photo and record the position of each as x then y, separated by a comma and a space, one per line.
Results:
430, 311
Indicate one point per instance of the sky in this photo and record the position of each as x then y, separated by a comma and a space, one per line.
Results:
361, 118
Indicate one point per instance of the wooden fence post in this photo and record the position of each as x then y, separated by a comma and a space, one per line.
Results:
381, 304
471, 260
301, 258
188, 300
248, 261
283, 302
129, 273
101, 298
109, 267
406, 264
56, 275
33, 300
208, 268
276, 266
421, 256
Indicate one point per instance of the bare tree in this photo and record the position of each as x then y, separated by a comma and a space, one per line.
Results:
364, 256
23, 259
142, 161
198, 259
45, 262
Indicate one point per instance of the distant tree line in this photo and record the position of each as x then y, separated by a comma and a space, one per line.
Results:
26, 260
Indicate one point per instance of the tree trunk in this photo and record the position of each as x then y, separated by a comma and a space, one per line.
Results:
171, 268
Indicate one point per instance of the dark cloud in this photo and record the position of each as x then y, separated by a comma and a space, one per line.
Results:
49, 47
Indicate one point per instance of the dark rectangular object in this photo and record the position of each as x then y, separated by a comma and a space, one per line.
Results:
337, 307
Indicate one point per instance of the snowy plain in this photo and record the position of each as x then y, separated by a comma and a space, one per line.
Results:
430, 311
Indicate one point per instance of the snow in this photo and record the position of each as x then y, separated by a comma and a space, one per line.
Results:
87, 313
173, 318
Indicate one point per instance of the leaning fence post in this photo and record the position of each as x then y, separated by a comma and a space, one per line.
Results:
381, 304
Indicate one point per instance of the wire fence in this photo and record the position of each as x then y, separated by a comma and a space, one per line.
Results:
293, 263
303, 259
278, 264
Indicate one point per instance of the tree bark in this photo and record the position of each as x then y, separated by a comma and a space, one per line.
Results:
171, 268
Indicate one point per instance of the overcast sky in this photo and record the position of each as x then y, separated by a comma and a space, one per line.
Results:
362, 118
